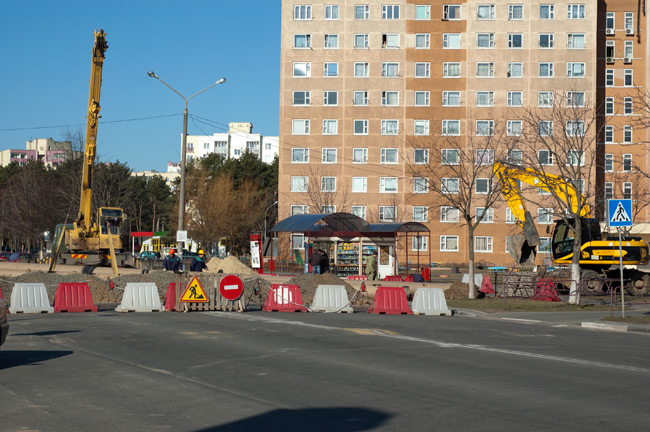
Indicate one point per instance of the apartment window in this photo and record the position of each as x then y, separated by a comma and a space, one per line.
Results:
450, 156
331, 12
299, 155
361, 70
546, 70
609, 77
388, 184
575, 70
627, 162
448, 214
421, 156
609, 134
545, 128
328, 184
448, 243
514, 127
515, 70
389, 156
627, 190
328, 209
300, 127
576, 41
485, 70
299, 183
546, 40
483, 186
361, 12
545, 157
387, 213
484, 215
422, 40
330, 98
609, 21
359, 211
361, 41
515, 40
484, 98
546, 11
628, 49
483, 244
609, 162
451, 70
389, 127
510, 217
575, 158
301, 97
390, 41
390, 70
628, 80
609, 190
485, 12
421, 127
330, 126
451, 98
610, 51
360, 155
484, 157
515, 157
361, 127
420, 214
422, 12
450, 185
302, 41
515, 12
450, 128
627, 106
331, 41
514, 98
422, 70
450, 12
575, 98
451, 40
576, 11
575, 128
389, 98
422, 98
627, 134
359, 184
330, 69
485, 40
609, 106
544, 215
302, 70
420, 185
297, 210
389, 12
484, 127
302, 12
360, 98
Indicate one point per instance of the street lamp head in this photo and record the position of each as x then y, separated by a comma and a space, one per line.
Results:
152, 74
221, 81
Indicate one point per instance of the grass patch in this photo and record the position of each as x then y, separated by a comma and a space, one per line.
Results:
491, 305
635, 319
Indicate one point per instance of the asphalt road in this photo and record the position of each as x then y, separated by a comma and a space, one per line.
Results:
223, 371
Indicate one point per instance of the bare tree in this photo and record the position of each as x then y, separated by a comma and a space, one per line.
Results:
323, 191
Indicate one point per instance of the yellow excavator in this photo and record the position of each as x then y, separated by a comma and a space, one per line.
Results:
99, 239
598, 253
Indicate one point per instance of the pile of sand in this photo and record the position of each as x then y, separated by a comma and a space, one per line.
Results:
228, 265
459, 290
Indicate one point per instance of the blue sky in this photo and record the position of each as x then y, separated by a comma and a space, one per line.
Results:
45, 60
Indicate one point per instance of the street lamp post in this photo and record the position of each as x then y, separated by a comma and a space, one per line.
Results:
265, 213
181, 203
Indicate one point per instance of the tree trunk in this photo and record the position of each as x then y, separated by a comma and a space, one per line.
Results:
470, 240
574, 295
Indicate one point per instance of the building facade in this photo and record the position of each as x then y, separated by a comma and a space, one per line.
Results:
51, 153
365, 84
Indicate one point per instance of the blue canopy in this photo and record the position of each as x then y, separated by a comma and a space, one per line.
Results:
342, 225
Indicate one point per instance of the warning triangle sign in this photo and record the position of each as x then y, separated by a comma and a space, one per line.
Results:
194, 292
620, 215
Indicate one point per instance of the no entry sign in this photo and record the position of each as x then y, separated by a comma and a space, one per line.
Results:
231, 287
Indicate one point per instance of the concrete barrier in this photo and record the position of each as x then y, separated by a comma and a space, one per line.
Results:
430, 301
331, 298
30, 298
140, 297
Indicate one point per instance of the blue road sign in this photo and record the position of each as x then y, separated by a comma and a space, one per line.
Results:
620, 212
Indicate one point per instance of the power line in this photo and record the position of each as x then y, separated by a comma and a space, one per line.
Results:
83, 124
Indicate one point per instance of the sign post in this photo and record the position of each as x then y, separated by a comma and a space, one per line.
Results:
620, 215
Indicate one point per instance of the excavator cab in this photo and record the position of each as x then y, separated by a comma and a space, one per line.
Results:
564, 235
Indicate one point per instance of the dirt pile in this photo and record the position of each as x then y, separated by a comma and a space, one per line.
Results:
459, 290
229, 265
309, 282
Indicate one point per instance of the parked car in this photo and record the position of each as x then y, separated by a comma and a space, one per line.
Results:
4, 326
149, 255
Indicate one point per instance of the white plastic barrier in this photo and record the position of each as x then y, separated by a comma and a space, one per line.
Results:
478, 279
430, 301
140, 297
30, 298
331, 298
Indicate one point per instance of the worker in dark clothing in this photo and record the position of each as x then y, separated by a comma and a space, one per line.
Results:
172, 262
314, 260
324, 262
198, 263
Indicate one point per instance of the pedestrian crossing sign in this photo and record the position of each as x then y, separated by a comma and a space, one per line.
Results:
194, 292
620, 212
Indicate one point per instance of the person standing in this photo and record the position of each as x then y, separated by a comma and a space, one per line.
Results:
314, 260
198, 263
371, 266
172, 262
324, 262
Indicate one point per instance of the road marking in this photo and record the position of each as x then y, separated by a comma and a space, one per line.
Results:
369, 332
522, 320
439, 344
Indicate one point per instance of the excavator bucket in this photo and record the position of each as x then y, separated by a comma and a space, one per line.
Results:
520, 250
